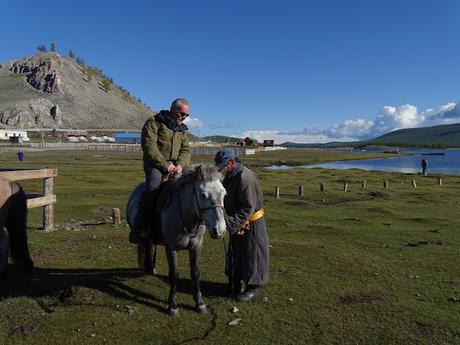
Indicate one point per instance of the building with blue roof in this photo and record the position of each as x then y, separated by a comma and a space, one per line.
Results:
128, 138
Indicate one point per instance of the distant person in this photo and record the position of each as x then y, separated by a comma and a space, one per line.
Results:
247, 256
166, 148
20, 155
424, 167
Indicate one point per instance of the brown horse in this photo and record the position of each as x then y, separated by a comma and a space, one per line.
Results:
13, 217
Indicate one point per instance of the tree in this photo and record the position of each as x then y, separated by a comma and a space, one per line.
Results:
42, 49
80, 61
53, 47
106, 84
71, 54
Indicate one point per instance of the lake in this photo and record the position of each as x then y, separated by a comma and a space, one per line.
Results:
449, 163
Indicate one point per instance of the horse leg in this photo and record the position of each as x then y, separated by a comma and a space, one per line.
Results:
148, 256
4, 249
171, 255
195, 252
16, 224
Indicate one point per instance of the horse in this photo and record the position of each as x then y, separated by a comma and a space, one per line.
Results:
194, 202
13, 217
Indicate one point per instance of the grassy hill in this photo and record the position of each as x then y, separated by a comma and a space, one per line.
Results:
433, 137
222, 139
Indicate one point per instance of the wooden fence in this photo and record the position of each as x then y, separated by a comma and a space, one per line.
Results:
322, 186
46, 200
115, 147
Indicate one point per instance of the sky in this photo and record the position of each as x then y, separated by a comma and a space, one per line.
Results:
302, 71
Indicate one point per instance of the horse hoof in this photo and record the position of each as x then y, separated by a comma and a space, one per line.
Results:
173, 312
202, 309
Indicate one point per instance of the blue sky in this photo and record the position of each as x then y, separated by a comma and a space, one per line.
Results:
301, 70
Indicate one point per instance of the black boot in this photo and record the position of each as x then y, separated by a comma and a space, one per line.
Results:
249, 294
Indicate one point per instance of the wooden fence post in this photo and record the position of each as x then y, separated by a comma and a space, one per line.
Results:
414, 184
322, 187
439, 181
277, 192
48, 210
301, 190
385, 184
116, 216
345, 186
363, 184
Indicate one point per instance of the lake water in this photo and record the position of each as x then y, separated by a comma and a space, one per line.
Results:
442, 164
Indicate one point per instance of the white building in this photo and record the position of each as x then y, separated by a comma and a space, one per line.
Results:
6, 134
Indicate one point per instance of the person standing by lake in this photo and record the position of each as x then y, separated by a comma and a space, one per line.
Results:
424, 167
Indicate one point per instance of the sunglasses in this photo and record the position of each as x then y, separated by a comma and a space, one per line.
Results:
183, 115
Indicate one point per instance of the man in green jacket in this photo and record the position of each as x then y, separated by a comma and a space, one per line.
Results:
165, 143
166, 148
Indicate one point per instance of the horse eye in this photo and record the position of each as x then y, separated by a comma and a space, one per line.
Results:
203, 195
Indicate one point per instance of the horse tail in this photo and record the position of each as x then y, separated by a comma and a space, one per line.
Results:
16, 224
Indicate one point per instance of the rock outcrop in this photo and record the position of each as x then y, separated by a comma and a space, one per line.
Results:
42, 72
38, 112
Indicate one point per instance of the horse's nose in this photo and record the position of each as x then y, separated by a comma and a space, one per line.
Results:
217, 233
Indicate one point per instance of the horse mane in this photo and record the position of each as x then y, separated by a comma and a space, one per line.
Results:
202, 172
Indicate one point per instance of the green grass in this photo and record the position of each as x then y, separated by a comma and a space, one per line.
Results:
342, 269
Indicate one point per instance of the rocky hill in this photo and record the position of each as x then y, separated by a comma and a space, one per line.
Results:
51, 91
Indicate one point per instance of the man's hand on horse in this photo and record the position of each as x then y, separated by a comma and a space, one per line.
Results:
170, 168
179, 169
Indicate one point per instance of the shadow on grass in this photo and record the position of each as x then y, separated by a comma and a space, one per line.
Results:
60, 286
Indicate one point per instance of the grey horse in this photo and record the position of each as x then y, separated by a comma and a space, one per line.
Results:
195, 202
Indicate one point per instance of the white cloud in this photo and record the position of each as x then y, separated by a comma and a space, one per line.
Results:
407, 116
350, 128
223, 125
389, 119
193, 122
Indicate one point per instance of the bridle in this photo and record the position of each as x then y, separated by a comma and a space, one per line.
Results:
201, 210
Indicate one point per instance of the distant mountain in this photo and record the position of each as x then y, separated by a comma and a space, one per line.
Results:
435, 136
222, 139
52, 91
442, 136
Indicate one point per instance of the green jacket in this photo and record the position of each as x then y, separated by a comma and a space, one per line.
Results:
162, 141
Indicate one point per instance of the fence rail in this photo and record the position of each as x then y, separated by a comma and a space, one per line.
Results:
46, 200
115, 147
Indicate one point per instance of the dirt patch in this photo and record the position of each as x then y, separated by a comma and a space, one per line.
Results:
103, 211
424, 329
379, 210
357, 299
300, 203
24, 329
418, 220
73, 225
376, 195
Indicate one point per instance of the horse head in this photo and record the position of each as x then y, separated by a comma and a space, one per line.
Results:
209, 194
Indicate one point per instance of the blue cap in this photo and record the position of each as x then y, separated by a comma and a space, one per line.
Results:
223, 156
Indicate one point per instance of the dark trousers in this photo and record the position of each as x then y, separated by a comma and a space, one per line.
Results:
153, 179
